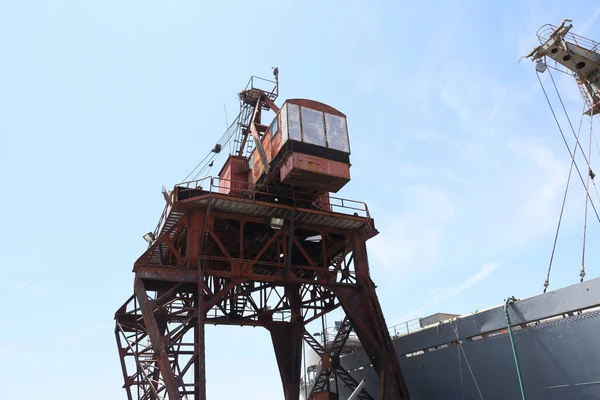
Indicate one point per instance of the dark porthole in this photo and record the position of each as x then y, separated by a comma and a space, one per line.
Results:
580, 65
567, 57
554, 50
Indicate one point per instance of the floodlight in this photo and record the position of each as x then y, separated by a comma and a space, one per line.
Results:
149, 237
277, 223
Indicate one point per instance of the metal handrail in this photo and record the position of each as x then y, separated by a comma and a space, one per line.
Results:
336, 204
214, 185
167, 209
161, 221
251, 85
405, 328
545, 32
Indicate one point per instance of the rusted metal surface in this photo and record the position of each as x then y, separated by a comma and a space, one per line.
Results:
259, 94
325, 396
316, 105
266, 143
287, 342
233, 177
220, 255
276, 143
156, 335
238, 264
271, 104
323, 174
323, 127
143, 349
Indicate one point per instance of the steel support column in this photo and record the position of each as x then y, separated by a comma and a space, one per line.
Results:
287, 343
199, 363
362, 307
156, 338
196, 243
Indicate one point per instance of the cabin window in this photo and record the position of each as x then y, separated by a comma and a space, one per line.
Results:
294, 122
313, 127
337, 133
316, 127
274, 126
284, 124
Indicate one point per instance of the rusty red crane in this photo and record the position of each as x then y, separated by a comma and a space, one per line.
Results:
263, 244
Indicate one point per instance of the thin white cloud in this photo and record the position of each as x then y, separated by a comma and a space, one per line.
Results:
499, 175
536, 212
582, 30
413, 238
445, 293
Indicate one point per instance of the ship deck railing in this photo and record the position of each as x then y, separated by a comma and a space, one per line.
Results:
405, 328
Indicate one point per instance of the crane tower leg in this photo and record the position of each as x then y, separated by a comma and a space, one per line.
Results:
287, 343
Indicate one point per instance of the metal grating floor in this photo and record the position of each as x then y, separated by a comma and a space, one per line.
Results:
257, 209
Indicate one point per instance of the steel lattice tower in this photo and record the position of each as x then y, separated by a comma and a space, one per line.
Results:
262, 251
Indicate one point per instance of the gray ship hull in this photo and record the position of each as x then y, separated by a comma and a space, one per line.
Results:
556, 336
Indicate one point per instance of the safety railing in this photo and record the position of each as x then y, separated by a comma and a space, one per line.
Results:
405, 328
396, 330
546, 31
161, 221
293, 198
259, 83
167, 209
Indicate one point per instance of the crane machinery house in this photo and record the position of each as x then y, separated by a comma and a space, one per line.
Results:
305, 147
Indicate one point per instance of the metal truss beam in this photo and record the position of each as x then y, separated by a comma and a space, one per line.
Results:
330, 362
231, 269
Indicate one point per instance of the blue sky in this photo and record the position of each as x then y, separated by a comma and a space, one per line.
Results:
102, 102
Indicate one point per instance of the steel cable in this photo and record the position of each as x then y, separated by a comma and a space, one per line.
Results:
585, 218
573, 164
572, 154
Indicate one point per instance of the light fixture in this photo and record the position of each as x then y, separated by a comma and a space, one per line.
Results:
149, 237
276, 223
540, 66
316, 239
